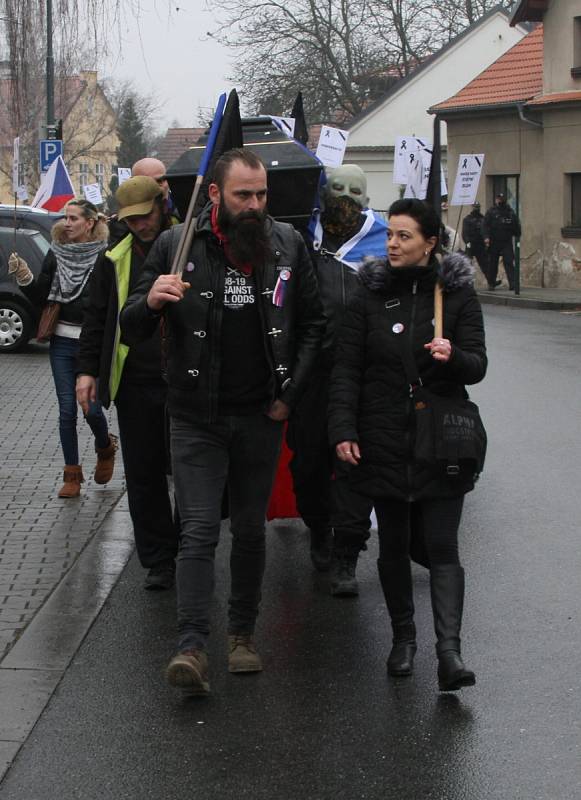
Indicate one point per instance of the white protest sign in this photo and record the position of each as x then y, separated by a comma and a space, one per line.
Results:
467, 179
16, 165
92, 192
414, 179
123, 174
285, 124
419, 175
332, 146
404, 156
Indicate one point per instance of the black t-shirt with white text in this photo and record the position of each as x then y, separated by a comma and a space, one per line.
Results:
245, 376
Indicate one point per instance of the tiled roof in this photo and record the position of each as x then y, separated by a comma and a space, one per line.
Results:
556, 97
515, 77
175, 142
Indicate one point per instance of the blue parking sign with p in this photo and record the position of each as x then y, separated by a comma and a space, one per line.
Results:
49, 150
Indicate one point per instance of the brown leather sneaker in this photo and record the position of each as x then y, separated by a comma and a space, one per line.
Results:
106, 460
189, 670
243, 656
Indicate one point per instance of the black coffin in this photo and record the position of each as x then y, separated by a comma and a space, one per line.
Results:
293, 172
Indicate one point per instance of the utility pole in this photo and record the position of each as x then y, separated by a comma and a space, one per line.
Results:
50, 120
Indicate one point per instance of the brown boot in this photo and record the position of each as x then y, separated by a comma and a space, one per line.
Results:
243, 656
105, 460
73, 478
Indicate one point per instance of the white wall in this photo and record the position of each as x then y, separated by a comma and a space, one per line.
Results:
405, 112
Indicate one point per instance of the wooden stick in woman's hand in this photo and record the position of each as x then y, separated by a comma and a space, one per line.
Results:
438, 311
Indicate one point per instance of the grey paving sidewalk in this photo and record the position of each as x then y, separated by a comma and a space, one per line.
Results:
40, 536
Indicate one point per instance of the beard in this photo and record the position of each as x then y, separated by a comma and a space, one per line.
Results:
248, 241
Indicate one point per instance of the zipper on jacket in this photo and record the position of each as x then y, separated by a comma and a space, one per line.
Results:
411, 399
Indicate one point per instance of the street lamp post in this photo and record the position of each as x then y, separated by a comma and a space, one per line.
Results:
50, 121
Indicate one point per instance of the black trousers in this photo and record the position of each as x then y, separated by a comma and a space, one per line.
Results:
507, 253
480, 253
323, 494
437, 520
143, 432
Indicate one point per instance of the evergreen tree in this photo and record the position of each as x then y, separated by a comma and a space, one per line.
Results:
132, 145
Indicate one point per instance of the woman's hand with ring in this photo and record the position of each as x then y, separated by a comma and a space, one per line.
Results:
348, 452
441, 349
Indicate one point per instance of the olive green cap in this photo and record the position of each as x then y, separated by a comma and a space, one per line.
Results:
136, 196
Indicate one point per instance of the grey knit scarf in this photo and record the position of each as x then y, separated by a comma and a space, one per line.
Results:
74, 264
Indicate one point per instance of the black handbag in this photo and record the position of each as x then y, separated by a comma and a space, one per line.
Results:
449, 434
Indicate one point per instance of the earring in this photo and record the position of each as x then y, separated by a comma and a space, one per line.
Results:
426, 252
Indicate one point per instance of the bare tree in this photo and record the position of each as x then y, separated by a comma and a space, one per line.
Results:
82, 33
342, 54
321, 47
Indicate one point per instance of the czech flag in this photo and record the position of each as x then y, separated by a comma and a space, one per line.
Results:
56, 187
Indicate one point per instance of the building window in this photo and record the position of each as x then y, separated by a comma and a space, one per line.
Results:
83, 176
100, 175
576, 68
573, 188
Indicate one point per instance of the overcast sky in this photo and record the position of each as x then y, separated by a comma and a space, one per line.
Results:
165, 50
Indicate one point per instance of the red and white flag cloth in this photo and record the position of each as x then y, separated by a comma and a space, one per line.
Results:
56, 187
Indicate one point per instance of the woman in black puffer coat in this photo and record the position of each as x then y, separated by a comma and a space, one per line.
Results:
371, 422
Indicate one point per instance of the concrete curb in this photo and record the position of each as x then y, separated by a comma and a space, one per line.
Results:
520, 301
34, 666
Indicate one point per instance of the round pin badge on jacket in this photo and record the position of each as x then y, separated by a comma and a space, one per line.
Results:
285, 274
398, 327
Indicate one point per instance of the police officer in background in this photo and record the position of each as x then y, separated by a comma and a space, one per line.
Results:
474, 240
498, 228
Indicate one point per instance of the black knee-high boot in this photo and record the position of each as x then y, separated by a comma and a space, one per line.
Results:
396, 582
447, 590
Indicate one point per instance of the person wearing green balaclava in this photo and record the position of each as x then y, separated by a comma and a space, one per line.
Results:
339, 519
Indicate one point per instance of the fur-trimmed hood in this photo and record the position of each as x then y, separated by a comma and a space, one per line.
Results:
100, 232
454, 271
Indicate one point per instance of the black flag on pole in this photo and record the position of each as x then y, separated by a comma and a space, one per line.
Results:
229, 136
298, 114
434, 191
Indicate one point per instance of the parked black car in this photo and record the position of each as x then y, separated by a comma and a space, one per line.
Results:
18, 316
35, 219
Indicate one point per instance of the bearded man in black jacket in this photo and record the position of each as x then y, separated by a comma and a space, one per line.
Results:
244, 328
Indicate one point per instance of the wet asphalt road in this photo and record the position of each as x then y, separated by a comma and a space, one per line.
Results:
323, 720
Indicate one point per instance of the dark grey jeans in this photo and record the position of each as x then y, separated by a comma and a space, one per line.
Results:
242, 453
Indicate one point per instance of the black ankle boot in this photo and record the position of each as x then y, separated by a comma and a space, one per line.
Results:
321, 548
400, 661
447, 590
343, 579
396, 582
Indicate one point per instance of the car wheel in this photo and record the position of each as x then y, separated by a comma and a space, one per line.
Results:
15, 327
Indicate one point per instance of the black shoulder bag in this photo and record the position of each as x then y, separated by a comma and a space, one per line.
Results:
450, 436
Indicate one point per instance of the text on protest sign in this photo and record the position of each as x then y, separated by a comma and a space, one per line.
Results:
92, 192
332, 146
467, 179
123, 174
